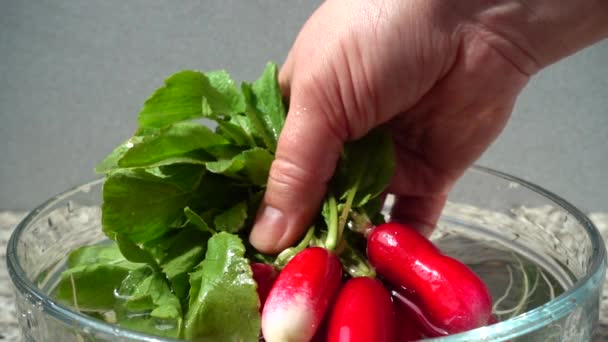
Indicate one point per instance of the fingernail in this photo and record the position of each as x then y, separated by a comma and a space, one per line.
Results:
270, 227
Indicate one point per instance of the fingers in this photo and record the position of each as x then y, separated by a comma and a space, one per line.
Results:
285, 76
306, 157
419, 212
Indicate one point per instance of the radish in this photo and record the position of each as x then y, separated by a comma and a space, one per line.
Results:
452, 297
264, 275
363, 312
408, 326
413, 324
300, 296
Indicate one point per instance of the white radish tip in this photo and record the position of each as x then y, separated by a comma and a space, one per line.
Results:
291, 321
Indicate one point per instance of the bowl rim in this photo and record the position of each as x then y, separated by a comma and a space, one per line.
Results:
504, 330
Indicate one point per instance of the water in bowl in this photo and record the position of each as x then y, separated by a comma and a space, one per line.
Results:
517, 283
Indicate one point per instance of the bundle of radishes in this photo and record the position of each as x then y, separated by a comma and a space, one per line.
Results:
179, 201
354, 277
421, 293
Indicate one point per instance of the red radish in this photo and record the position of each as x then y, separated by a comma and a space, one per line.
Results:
264, 275
452, 297
412, 323
408, 325
300, 296
363, 312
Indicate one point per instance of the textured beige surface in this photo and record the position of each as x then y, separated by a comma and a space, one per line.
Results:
8, 320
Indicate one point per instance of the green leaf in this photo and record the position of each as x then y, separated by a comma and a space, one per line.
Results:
178, 252
96, 254
180, 99
227, 167
269, 100
185, 176
90, 287
224, 304
135, 253
217, 192
147, 304
257, 165
233, 219
171, 142
245, 124
253, 164
110, 163
235, 133
181, 260
226, 97
258, 123
191, 94
366, 167
197, 221
143, 205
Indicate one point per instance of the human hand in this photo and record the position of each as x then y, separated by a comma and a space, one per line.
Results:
442, 76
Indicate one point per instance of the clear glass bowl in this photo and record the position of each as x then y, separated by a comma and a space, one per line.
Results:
491, 223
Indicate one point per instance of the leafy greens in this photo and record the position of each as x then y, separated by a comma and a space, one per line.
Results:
179, 200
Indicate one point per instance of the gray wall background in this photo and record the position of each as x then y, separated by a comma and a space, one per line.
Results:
74, 74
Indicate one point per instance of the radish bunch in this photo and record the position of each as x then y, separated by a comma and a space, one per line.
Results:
355, 278
423, 293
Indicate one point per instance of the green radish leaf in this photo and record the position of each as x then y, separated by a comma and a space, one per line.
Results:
224, 303
180, 99
143, 205
171, 142
90, 287
366, 167
253, 165
217, 192
110, 162
148, 304
181, 254
92, 275
145, 131
198, 157
225, 97
256, 118
269, 101
108, 253
197, 221
235, 133
134, 253
233, 219
257, 165
189, 95
245, 124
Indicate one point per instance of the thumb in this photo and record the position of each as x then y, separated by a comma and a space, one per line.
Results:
306, 156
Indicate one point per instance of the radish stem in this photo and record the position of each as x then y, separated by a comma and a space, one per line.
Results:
333, 233
347, 206
286, 255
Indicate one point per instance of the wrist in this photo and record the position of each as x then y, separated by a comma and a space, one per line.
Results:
536, 33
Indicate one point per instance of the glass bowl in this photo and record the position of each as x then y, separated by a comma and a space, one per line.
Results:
528, 244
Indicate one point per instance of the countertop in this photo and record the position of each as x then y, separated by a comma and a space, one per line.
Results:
8, 322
